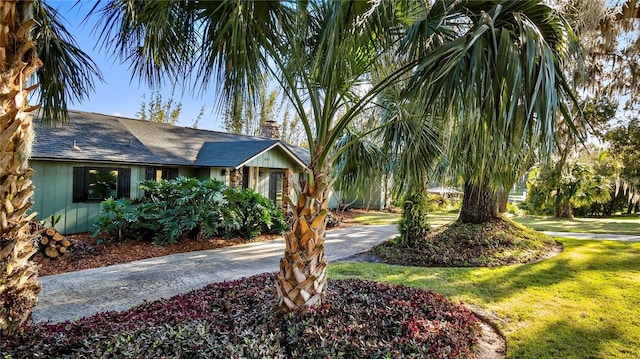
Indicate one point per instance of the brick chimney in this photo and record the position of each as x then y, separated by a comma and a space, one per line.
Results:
270, 129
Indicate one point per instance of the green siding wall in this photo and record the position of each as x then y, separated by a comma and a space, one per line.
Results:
274, 158
216, 173
263, 182
54, 190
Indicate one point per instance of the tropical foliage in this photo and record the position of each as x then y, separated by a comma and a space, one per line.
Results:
414, 223
498, 108
587, 187
319, 52
188, 208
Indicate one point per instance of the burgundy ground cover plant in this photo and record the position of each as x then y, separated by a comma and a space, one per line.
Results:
359, 319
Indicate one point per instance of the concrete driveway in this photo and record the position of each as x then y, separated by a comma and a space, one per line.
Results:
118, 287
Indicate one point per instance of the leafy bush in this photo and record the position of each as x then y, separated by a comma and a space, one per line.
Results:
115, 218
358, 319
414, 224
438, 203
514, 209
256, 213
186, 207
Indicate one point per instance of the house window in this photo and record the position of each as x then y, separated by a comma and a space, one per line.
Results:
160, 173
95, 184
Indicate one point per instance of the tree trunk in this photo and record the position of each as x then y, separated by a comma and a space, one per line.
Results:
19, 286
387, 192
503, 200
302, 280
557, 203
479, 204
565, 210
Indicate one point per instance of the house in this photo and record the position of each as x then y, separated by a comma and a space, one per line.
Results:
95, 156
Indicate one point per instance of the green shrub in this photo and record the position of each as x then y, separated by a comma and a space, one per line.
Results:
438, 203
115, 219
514, 209
256, 213
186, 207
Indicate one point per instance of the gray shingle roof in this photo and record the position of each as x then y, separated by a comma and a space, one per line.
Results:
96, 138
116, 139
231, 154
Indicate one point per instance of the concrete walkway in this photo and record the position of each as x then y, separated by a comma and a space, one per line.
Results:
118, 287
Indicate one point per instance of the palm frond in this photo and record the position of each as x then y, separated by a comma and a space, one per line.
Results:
502, 85
67, 74
157, 38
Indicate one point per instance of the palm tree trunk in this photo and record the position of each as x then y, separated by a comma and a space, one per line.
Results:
503, 201
565, 210
479, 204
19, 286
302, 280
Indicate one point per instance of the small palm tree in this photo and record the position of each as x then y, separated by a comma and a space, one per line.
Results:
33, 44
322, 54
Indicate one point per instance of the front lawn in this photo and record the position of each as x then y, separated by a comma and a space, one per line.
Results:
376, 218
583, 303
629, 225
614, 225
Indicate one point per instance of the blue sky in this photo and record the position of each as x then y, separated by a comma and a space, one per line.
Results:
119, 94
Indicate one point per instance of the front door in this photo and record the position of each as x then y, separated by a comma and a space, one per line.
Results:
275, 188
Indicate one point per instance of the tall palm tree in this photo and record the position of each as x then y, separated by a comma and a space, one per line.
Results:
33, 44
501, 84
320, 52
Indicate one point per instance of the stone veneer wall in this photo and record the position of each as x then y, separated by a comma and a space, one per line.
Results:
235, 178
287, 187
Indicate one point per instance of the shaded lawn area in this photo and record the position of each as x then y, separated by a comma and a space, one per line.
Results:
629, 225
615, 225
583, 303
377, 218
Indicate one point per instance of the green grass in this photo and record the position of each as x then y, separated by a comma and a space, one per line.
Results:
441, 218
377, 218
615, 225
629, 225
583, 303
